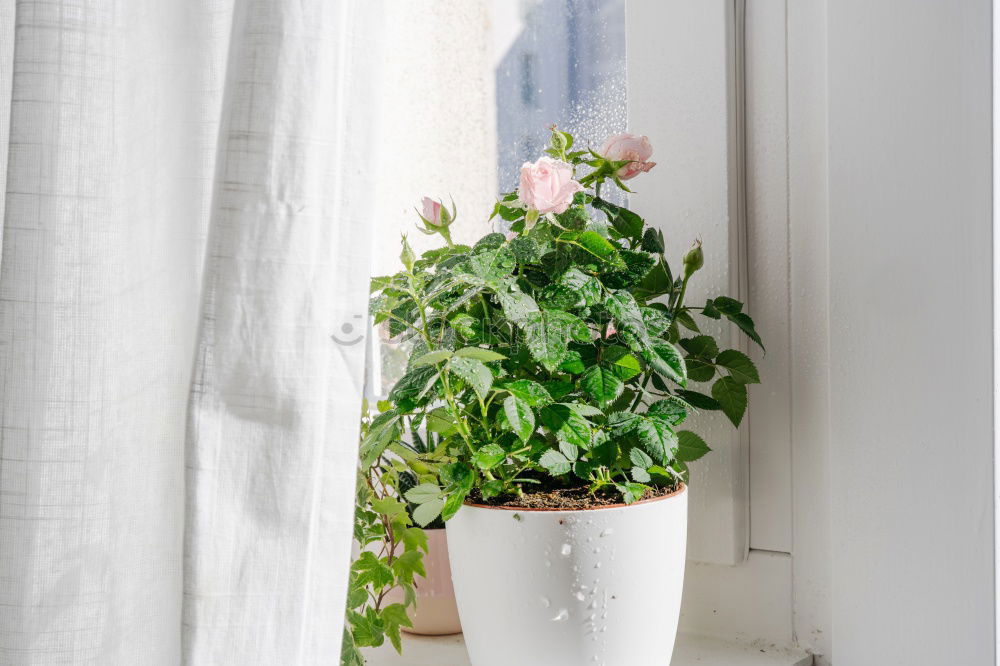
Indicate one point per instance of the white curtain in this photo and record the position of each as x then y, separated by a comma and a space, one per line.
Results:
184, 227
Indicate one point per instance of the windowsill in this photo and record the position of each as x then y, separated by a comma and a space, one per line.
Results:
692, 650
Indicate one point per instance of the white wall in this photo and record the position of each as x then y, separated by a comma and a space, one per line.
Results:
910, 340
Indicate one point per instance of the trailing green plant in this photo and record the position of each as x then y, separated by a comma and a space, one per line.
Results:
561, 354
391, 547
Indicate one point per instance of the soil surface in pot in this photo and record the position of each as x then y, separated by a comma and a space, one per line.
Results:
560, 497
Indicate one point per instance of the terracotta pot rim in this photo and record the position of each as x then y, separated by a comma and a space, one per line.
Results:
683, 488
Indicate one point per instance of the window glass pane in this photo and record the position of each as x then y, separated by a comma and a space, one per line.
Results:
557, 62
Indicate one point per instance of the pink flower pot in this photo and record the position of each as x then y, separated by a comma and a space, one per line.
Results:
436, 613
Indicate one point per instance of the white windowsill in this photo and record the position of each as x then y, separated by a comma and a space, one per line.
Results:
692, 650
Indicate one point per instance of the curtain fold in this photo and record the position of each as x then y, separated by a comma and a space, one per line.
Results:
275, 400
182, 192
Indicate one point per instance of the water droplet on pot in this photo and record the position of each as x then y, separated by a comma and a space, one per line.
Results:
545, 602
561, 616
580, 596
607, 532
566, 550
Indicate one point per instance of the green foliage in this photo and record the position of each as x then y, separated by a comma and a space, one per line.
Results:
392, 547
565, 351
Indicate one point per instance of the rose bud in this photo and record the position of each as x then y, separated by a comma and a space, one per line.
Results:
694, 259
636, 149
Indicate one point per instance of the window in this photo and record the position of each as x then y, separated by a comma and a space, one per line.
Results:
461, 127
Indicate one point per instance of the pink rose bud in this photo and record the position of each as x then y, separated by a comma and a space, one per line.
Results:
621, 147
432, 211
547, 185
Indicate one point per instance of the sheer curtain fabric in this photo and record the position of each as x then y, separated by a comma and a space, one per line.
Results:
182, 233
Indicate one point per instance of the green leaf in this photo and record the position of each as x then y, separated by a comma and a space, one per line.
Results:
566, 424
657, 321
517, 305
732, 397
423, 493
585, 285
439, 420
624, 221
558, 388
560, 297
656, 282
520, 417
599, 246
726, 305
480, 354
690, 447
555, 462
621, 362
739, 365
526, 250
583, 410
415, 538
396, 613
529, 391
699, 400
657, 439
490, 241
746, 325
357, 596
425, 514
622, 423
349, 653
652, 240
671, 409
701, 345
489, 456
639, 458
631, 492
368, 569
699, 370
491, 263
407, 564
572, 363
393, 620
367, 629
477, 375
433, 357
388, 506
664, 358
685, 319
407, 391
602, 384
453, 504
465, 325
635, 267
547, 334
710, 310
625, 310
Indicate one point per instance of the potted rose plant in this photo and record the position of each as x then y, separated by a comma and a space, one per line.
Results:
552, 371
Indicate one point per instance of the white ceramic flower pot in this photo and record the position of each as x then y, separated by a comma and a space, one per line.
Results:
570, 588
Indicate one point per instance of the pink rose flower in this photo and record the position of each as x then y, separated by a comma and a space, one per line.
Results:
432, 211
547, 185
621, 147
